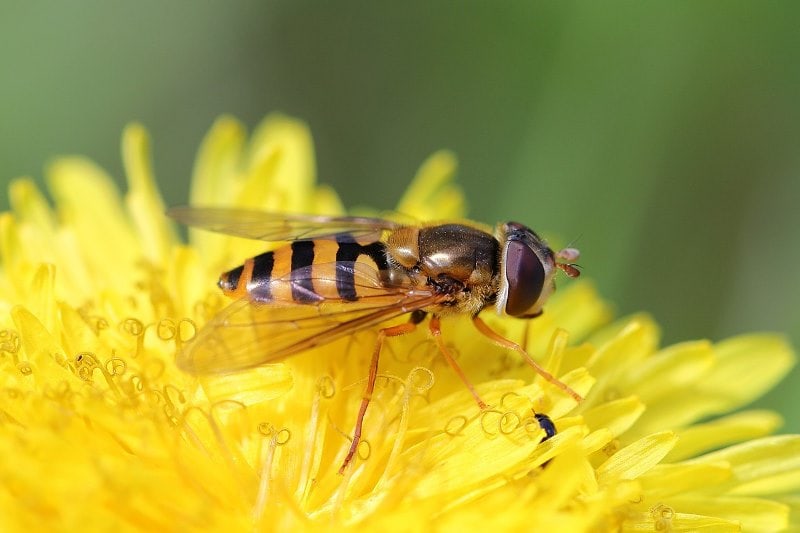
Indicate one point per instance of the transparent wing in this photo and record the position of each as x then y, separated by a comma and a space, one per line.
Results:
254, 224
248, 333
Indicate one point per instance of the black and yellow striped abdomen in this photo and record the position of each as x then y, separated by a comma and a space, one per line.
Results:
309, 271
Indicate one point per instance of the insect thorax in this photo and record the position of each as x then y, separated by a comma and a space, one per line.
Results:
453, 259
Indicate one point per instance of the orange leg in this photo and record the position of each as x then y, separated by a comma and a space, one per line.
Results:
505, 343
393, 331
437, 336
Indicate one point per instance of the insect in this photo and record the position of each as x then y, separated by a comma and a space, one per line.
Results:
547, 425
339, 275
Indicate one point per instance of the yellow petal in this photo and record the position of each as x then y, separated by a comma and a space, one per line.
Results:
617, 416
45, 356
619, 347
432, 194
641, 323
85, 195
192, 285
563, 479
34, 226
9, 241
249, 388
578, 308
724, 431
754, 514
793, 503
281, 173
327, 202
663, 518
455, 464
216, 180
218, 167
143, 199
745, 367
30, 205
770, 465
748, 366
79, 337
669, 370
44, 292
637, 458
667, 480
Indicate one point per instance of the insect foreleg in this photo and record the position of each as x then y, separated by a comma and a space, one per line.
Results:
505, 343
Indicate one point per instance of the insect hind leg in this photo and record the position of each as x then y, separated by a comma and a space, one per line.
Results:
394, 331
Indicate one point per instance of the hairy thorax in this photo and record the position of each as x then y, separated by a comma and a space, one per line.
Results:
454, 260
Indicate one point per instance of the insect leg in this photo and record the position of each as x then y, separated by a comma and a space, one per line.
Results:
437, 336
505, 343
393, 331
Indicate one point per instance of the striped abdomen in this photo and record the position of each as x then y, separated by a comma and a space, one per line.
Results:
309, 271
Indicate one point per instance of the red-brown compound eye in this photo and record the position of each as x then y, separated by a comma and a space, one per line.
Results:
525, 275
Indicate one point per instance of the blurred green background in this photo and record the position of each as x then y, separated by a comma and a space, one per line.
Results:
665, 137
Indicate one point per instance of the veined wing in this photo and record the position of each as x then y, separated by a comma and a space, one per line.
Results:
248, 333
260, 225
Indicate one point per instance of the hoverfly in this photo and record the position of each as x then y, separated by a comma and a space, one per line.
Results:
339, 275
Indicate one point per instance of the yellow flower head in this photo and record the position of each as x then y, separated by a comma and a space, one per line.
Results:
101, 430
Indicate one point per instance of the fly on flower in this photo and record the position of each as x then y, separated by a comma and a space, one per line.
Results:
339, 275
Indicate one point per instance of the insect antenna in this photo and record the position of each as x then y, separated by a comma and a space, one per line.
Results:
570, 269
569, 255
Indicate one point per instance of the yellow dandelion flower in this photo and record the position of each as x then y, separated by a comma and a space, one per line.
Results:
101, 430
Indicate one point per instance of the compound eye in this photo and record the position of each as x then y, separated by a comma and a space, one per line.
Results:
525, 274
